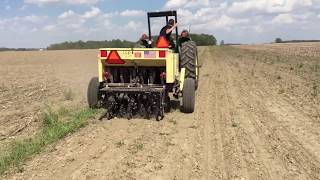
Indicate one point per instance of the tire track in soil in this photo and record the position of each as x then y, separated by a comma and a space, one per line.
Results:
182, 160
156, 144
260, 162
298, 159
121, 145
213, 161
301, 101
293, 100
250, 164
294, 156
250, 151
235, 166
82, 154
285, 145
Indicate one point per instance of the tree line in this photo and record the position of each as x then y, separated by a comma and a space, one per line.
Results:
279, 40
17, 49
200, 39
117, 43
204, 39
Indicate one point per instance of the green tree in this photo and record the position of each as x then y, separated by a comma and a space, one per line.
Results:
204, 39
278, 40
200, 39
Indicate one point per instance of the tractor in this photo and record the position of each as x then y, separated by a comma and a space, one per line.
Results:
140, 81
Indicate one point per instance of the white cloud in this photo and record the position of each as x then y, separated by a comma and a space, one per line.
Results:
73, 22
131, 13
87, 15
2, 21
34, 30
27, 19
304, 16
49, 27
8, 7
186, 18
208, 18
93, 13
67, 14
22, 8
235, 18
107, 24
110, 15
75, 2
197, 3
74, 26
175, 3
258, 29
171, 4
301, 17
225, 22
35, 19
269, 6
27, 26
132, 25
283, 19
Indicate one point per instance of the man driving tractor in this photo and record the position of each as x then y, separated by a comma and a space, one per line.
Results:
166, 32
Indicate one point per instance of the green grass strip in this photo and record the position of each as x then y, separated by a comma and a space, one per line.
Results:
53, 130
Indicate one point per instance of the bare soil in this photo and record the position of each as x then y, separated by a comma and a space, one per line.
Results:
311, 49
257, 117
32, 80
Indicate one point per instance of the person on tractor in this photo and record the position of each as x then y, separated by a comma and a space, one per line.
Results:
143, 42
166, 32
184, 37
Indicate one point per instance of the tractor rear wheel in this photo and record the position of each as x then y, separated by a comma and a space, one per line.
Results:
188, 99
93, 93
188, 57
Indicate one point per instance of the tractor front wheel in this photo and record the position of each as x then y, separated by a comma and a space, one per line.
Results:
188, 98
93, 93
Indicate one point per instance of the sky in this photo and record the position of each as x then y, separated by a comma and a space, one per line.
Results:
39, 23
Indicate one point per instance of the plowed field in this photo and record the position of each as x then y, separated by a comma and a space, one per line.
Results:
257, 117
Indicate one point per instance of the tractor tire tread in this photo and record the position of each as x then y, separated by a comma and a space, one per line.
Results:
93, 92
188, 99
188, 57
